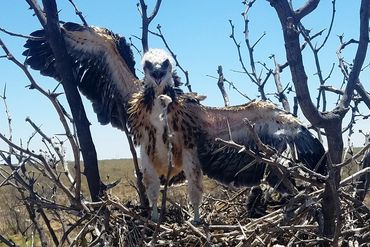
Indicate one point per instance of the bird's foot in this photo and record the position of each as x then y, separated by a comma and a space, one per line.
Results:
196, 222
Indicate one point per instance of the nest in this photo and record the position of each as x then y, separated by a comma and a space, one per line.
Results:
240, 218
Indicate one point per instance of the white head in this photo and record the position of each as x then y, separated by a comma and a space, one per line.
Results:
158, 66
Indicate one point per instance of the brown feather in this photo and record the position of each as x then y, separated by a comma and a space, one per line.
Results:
184, 127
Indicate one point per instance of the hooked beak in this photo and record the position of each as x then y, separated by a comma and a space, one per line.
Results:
158, 76
158, 81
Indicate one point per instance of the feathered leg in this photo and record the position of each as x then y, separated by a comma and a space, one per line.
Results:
194, 176
151, 182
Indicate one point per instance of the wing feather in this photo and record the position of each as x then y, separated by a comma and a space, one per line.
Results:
274, 127
103, 65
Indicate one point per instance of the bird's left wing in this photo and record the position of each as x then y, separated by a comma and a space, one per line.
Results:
103, 66
275, 128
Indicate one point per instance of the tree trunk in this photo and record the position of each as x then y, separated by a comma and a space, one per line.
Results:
331, 200
64, 67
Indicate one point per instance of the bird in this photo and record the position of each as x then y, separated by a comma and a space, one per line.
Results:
152, 134
105, 73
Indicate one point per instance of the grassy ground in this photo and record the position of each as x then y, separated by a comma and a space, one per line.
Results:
112, 170
13, 213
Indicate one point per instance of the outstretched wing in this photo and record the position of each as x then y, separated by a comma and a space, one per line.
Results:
103, 65
275, 128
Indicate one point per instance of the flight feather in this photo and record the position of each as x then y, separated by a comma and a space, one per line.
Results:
103, 67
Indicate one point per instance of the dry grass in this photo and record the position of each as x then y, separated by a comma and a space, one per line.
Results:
14, 220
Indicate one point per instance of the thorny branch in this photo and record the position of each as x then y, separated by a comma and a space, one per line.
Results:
79, 13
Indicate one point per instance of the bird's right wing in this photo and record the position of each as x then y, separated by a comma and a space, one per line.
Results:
103, 66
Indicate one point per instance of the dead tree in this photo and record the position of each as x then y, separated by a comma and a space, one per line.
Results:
330, 121
50, 21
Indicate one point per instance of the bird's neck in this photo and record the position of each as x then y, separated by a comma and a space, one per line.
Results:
151, 92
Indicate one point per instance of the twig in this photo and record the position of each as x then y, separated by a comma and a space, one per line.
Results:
354, 176
79, 13
195, 230
20, 35
261, 146
7, 242
45, 163
281, 95
354, 157
232, 85
60, 111
330, 26
232, 36
139, 175
220, 84
38, 11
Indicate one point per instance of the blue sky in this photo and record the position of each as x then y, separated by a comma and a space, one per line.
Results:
198, 32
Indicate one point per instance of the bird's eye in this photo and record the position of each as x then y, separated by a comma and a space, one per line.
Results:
165, 64
148, 65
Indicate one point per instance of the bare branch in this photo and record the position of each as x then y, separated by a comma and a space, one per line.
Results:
354, 157
7, 242
20, 35
38, 11
165, 101
61, 113
186, 73
365, 96
146, 21
281, 95
330, 26
294, 57
232, 85
220, 84
79, 13
360, 55
261, 146
232, 36
306, 9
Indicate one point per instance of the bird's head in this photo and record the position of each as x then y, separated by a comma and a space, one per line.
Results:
158, 66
